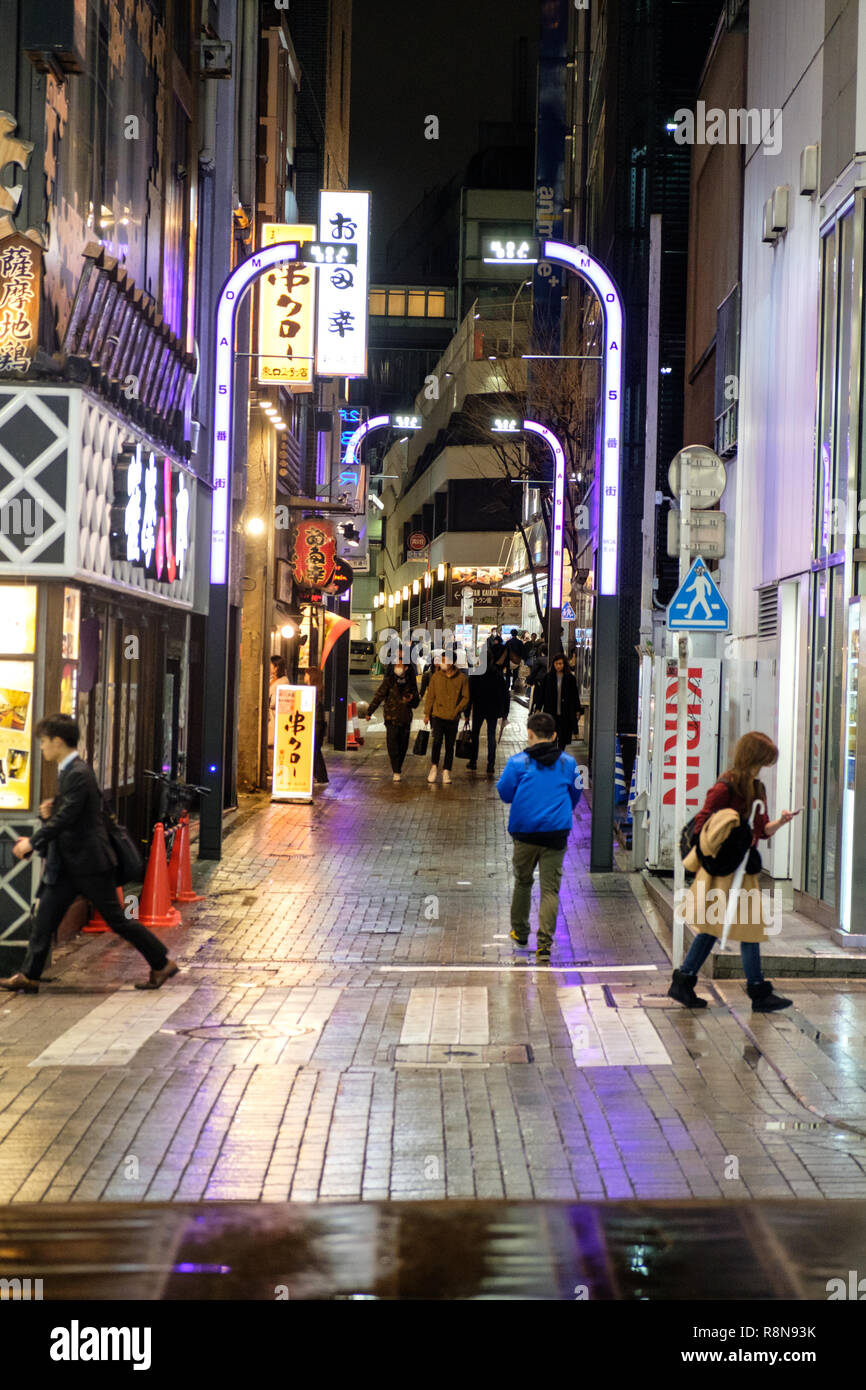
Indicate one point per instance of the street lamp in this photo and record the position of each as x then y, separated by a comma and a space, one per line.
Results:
522, 287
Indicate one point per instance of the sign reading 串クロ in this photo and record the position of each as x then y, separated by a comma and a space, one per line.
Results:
342, 292
287, 310
294, 742
150, 516
20, 289
697, 605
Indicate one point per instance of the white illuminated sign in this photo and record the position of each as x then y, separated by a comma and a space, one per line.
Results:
341, 328
503, 426
510, 252
331, 253
181, 525
598, 278
407, 422
150, 518
132, 514
232, 292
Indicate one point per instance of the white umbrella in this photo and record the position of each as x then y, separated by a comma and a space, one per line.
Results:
737, 880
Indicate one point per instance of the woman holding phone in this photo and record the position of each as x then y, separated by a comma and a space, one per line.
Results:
726, 814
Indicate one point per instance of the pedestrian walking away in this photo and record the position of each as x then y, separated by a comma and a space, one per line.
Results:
314, 675
446, 699
561, 699
489, 701
399, 692
515, 649
535, 681
721, 837
279, 676
79, 861
542, 785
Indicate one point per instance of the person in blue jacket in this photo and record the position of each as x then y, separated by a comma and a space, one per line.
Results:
543, 786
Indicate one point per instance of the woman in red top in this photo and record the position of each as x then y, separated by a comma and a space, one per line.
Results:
736, 790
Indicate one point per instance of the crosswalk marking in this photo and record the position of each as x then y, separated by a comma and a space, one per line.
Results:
450, 1015
112, 1033
604, 1037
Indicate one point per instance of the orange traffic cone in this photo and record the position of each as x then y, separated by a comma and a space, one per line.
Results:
97, 922
155, 909
351, 736
180, 869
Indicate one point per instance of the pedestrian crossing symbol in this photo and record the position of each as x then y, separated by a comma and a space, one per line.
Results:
697, 605
567, 613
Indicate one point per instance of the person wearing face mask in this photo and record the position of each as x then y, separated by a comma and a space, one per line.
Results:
446, 699
399, 692
560, 698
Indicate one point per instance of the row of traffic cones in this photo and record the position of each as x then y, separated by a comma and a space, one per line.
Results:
164, 883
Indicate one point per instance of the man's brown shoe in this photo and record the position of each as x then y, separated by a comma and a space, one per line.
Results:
20, 983
159, 977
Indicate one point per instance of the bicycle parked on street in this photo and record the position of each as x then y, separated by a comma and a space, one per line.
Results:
175, 799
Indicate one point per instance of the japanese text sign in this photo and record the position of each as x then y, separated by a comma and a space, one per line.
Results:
294, 742
341, 330
287, 307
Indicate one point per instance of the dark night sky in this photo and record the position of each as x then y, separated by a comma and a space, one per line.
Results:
414, 58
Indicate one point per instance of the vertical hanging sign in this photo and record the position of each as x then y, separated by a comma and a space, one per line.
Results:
287, 308
341, 329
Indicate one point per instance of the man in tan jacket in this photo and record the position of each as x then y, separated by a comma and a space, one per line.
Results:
446, 699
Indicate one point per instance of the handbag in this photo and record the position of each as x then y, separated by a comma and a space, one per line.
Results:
422, 738
463, 746
130, 863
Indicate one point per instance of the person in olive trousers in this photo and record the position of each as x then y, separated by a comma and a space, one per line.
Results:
399, 691
446, 699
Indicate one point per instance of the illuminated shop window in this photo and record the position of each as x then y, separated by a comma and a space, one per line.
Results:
436, 304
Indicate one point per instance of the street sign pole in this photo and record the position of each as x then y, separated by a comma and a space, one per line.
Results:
682, 720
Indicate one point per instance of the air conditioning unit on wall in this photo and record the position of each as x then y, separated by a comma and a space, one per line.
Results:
776, 213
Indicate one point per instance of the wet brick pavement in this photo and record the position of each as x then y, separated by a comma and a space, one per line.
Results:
353, 1022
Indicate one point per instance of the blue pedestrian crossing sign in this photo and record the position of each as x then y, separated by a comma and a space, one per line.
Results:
567, 613
697, 605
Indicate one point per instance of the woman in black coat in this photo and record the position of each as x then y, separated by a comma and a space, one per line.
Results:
400, 695
560, 697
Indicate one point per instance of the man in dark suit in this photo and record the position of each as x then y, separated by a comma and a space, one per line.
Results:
79, 860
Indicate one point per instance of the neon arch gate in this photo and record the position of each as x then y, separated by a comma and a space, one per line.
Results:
606, 637
217, 640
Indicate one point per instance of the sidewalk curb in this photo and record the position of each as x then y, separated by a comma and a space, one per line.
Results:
660, 929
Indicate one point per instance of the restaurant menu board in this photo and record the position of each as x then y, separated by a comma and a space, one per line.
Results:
294, 745
17, 619
16, 702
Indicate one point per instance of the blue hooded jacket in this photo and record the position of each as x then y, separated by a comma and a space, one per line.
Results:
543, 786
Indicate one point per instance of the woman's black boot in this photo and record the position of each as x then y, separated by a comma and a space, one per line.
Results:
683, 990
764, 1001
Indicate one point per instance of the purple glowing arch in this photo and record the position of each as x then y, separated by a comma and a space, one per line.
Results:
597, 277
231, 295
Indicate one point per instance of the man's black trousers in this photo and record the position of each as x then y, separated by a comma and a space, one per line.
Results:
99, 889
